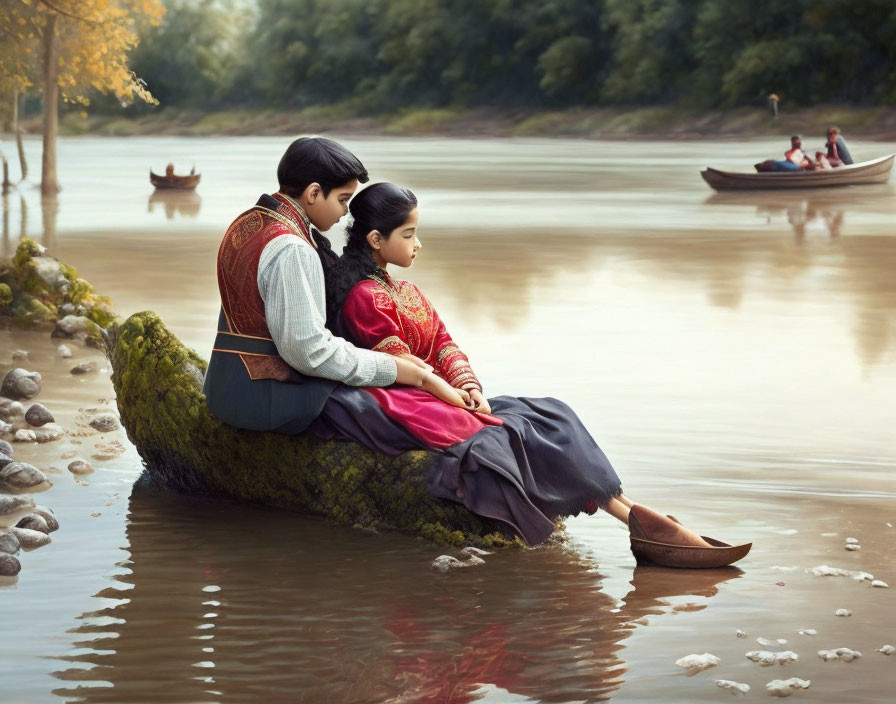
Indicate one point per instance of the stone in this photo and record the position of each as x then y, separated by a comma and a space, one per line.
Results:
48, 515
733, 687
6, 449
11, 410
9, 565
5, 460
30, 539
20, 384
104, 422
84, 368
21, 476
9, 543
33, 522
784, 688
48, 433
64, 351
19, 355
5, 428
887, 650
75, 327
38, 415
698, 663
10, 504
844, 654
25, 435
48, 269
880, 584
80, 467
843, 612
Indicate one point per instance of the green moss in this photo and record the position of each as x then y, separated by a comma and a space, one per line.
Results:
5, 294
157, 384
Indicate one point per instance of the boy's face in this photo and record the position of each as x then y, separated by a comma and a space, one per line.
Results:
326, 212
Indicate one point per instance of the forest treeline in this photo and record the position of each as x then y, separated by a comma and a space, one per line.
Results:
382, 55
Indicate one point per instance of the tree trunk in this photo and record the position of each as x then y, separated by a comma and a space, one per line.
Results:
17, 131
49, 183
5, 185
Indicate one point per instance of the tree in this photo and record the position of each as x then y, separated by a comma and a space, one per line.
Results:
84, 46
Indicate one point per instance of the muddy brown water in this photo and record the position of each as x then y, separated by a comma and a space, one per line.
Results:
734, 355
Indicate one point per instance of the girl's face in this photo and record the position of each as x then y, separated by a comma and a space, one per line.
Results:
401, 247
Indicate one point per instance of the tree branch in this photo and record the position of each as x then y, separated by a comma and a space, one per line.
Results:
60, 11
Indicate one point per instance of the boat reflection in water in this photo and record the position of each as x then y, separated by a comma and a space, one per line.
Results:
227, 603
182, 203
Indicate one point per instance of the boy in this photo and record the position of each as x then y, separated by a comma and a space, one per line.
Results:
274, 364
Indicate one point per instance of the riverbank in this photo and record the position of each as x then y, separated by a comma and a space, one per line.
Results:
662, 122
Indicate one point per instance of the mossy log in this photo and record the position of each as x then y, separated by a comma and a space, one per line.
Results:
158, 383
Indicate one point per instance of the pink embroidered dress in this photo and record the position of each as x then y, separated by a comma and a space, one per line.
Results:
395, 317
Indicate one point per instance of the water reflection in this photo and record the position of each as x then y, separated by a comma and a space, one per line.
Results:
183, 203
228, 604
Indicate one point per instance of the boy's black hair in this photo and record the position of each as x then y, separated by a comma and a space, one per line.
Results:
317, 160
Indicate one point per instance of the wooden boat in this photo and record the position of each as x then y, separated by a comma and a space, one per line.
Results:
183, 183
874, 171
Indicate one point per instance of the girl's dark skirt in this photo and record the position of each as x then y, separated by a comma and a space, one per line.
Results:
540, 465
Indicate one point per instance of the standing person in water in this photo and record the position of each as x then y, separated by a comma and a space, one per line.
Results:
523, 461
274, 364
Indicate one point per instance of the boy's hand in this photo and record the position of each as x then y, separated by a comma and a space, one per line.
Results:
480, 405
416, 360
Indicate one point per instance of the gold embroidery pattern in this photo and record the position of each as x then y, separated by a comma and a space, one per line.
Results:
392, 345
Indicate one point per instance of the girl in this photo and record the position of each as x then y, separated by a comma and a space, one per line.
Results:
523, 461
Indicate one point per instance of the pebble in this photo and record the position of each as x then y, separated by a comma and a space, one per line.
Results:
84, 368
853, 541
48, 433
9, 504
825, 571
887, 650
475, 551
33, 522
30, 539
784, 688
698, 663
766, 641
733, 687
880, 584
5, 460
19, 355
80, 467
25, 435
48, 515
6, 448
104, 422
9, 565
844, 654
77, 326
9, 543
22, 476
852, 547
843, 612
10, 409
740, 634
20, 384
807, 632
5, 428
38, 415
443, 563
766, 657
64, 351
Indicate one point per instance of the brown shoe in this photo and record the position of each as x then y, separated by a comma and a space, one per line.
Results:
655, 539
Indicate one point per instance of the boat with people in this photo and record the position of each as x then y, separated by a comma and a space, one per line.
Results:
170, 180
874, 171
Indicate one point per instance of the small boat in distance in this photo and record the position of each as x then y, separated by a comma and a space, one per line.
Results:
874, 171
171, 180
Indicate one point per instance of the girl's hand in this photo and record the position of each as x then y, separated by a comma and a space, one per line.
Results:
441, 389
416, 360
480, 405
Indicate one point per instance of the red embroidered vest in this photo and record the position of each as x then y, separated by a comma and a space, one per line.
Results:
238, 258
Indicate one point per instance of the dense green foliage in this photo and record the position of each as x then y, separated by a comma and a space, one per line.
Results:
384, 55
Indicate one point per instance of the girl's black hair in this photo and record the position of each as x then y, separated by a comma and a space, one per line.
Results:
317, 160
383, 207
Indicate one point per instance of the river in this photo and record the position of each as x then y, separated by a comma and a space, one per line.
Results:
734, 355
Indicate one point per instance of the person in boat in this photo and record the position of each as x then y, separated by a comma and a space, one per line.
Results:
274, 364
169, 171
822, 162
795, 159
837, 151
522, 461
